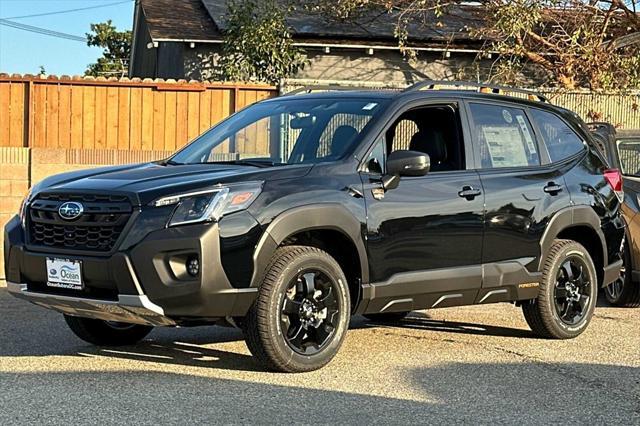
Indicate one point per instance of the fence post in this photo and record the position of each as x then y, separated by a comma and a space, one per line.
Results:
236, 97
28, 102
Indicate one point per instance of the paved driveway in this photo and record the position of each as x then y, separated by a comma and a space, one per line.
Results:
459, 365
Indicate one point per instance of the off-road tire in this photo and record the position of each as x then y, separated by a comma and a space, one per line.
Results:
262, 325
103, 333
387, 316
540, 313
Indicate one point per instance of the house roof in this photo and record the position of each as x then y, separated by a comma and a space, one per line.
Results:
205, 20
179, 20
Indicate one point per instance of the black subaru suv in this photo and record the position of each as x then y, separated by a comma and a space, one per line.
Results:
298, 212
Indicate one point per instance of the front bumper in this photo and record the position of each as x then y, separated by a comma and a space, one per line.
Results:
136, 284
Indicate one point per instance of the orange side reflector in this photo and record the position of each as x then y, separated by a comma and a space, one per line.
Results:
241, 198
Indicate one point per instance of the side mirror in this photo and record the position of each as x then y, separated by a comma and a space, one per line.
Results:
408, 163
405, 163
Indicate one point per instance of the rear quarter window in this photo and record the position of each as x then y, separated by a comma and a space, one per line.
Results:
560, 140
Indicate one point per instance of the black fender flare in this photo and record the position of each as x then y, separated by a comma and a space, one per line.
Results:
569, 217
330, 216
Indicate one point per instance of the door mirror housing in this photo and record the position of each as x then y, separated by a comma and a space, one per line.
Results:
405, 163
408, 163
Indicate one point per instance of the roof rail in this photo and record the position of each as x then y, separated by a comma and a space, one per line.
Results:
479, 87
319, 88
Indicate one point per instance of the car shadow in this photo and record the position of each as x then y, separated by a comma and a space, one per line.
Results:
422, 321
179, 353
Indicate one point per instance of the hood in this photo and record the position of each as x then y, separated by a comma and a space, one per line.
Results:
146, 182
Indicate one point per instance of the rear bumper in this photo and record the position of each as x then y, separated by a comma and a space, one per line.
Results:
128, 308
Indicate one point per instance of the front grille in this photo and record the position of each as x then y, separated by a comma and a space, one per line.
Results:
97, 229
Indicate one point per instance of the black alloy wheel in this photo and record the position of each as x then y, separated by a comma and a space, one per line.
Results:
572, 292
309, 312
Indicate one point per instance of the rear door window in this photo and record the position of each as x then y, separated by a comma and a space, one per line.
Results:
505, 136
560, 140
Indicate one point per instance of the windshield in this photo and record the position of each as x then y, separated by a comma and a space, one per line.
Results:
629, 153
292, 131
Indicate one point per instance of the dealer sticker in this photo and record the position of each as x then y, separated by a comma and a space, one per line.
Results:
64, 273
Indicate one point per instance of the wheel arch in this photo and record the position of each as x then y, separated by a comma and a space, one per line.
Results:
580, 224
316, 225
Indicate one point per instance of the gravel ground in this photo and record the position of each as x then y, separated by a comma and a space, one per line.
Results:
456, 365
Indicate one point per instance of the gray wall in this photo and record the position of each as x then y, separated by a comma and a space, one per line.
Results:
383, 66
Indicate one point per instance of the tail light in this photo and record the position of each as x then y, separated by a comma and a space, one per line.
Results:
614, 179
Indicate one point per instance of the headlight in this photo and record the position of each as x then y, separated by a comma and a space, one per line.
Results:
210, 205
23, 208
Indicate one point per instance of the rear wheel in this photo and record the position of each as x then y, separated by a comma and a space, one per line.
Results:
387, 316
107, 333
568, 293
624, 292
301, 315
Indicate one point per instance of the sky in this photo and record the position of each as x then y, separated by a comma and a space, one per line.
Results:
24, 52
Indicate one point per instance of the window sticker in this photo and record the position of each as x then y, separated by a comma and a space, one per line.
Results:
507, 116
505, 146
369, 106
526, 133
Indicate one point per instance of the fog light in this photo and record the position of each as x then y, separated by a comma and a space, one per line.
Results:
193, 266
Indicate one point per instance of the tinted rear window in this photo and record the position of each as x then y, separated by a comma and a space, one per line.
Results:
561, 141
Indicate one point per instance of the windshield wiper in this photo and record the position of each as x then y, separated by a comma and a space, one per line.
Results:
257, 162
172, 163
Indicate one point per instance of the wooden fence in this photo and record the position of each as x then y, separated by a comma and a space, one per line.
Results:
133, 115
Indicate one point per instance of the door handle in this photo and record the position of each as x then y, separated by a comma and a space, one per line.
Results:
552, 188
354, 191
469, 192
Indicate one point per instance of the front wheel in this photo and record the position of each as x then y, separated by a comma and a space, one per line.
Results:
107, 333
568, 293
301, 315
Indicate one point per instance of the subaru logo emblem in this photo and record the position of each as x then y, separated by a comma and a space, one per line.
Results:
70, 210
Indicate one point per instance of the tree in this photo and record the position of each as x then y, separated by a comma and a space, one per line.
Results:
116, 51
578, 44
257, 43
568, 43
